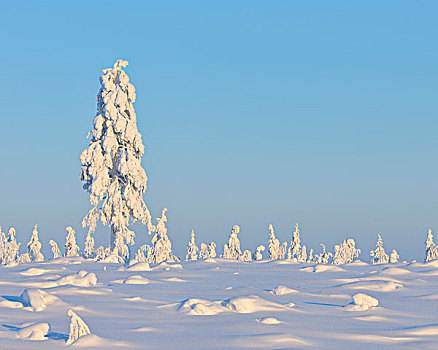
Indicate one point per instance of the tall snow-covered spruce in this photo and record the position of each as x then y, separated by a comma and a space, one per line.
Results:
111, 164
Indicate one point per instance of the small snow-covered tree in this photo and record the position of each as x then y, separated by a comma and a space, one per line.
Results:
143, 253
2, 245
283, 251
212, 250
111, 165
258, 253
246, 256
192, 248
11, 248
24, 258
232, 249
346, 252
393, 257
78, 328
274, 245
71, 248
324, 257
203, 252
100, 253
302, 255
431, 248
379, 256
89, 246
55, 250
162, 248
310, 257
295, 245
34, 246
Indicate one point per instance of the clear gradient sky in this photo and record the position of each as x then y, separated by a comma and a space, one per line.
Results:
252, 112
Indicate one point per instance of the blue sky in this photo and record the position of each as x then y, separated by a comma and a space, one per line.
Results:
252, 112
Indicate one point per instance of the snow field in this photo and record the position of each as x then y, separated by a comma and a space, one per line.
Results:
265, 305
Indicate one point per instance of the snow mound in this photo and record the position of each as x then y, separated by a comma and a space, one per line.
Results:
141, 266
210, 260
322, 268
90, 341
251, 303
34, 331
136, 279
358, 263
362, 302
33, 272
166, 266
285, 262
269, 320
375, 286
282, 290
174, 279
433, 263
113, 259
80, 279
11, 304
200, 307
394, 271
36, 299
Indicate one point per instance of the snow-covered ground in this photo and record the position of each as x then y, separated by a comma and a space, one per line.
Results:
220, 304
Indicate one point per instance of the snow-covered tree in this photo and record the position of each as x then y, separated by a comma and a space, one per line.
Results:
71, 248
204, 252
122, 243
162, 248
212, 250
393, 257
192, 248
294, 251
431, 248
89, 246
310, 257
258, 253
346, 252
283, 251
246, 256
55, 250
78, 328
273, 244
34, 246
11, 248
143, 253
111, 165
100, 253
302, 255
24, 258
232, 249
379, 256
2, 245
324, 257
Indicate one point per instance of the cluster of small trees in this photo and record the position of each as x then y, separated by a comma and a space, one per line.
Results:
344, 253
161, 249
